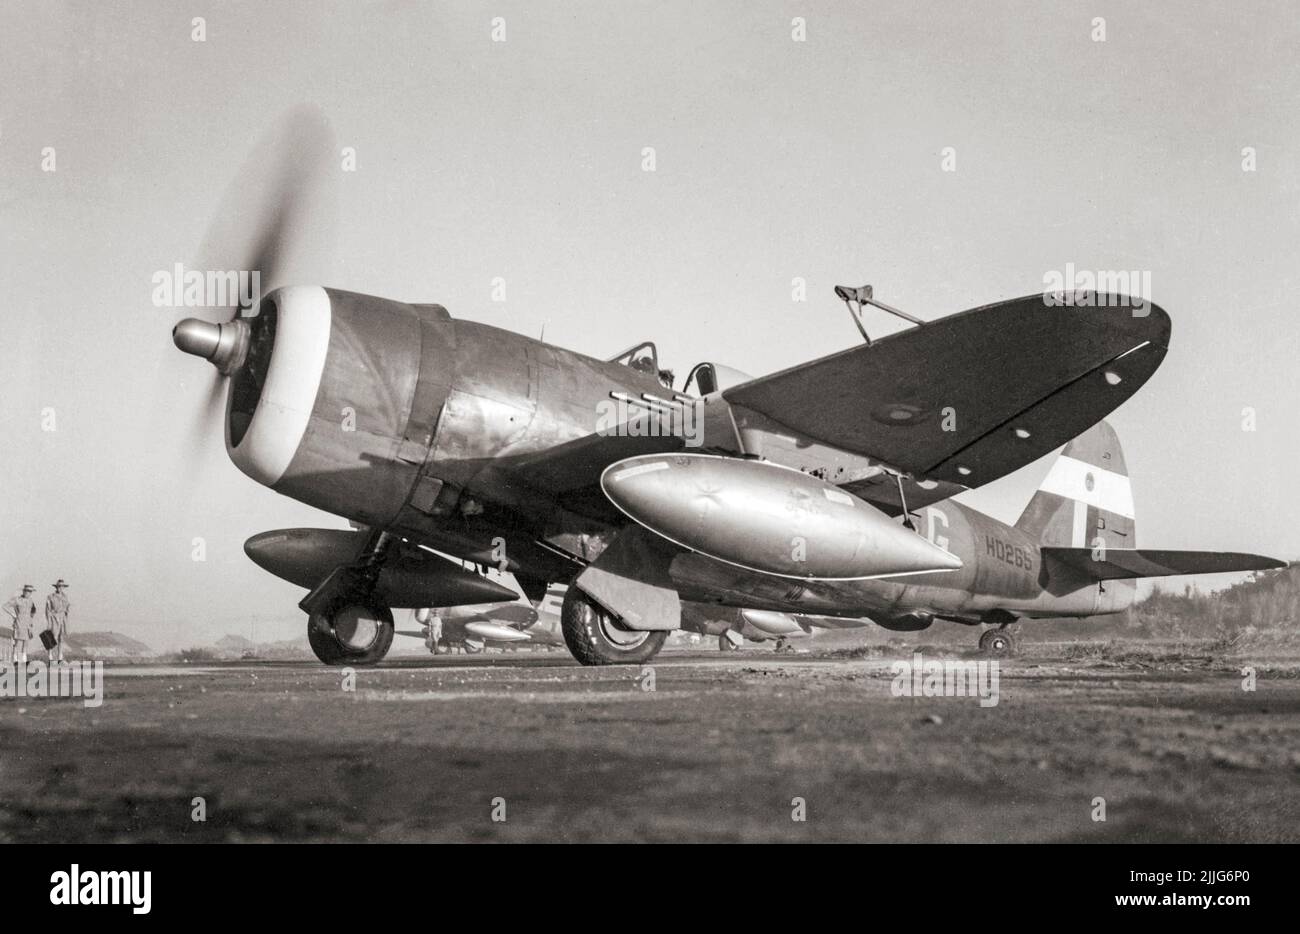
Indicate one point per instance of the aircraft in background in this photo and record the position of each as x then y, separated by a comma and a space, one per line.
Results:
824, 489
518, 623
505, 624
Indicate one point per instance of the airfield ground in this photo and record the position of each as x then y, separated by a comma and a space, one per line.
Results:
717, 751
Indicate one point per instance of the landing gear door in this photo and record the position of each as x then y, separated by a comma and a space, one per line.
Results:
630, 579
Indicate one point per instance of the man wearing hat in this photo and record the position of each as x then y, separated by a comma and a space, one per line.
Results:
22, 610
56, 618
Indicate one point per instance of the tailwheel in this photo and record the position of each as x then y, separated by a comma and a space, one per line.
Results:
597, 637
351, 631
999, 642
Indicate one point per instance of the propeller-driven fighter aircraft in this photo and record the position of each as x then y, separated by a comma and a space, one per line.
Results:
824, 489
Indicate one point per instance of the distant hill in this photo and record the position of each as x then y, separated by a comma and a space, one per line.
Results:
105, 645
233, 646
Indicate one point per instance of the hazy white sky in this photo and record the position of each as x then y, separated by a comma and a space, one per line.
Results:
522, 159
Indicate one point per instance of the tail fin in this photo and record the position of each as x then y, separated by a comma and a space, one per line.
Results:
1084, 496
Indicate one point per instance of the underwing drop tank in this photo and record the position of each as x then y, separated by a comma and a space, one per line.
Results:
412, 577
767, 518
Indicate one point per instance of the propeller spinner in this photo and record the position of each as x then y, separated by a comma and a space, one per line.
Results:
223, 345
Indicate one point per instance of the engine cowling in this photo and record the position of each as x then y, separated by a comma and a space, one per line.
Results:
337, 396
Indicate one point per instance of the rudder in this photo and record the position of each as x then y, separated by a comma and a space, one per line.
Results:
1085, 496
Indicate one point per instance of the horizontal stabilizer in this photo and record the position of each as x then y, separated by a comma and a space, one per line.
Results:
1123, 563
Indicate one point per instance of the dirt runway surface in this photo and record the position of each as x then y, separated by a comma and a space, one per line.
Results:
719, 750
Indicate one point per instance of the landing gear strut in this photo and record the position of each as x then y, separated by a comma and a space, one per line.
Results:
999, 642
346, 623
351, 631
597, 637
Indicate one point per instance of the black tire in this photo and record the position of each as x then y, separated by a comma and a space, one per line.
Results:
324, 644
339, 635
998, 643
597, 637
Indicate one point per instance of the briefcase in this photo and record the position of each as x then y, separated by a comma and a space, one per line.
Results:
48, 640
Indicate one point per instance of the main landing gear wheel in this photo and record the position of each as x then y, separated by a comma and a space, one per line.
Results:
597, 637
725, 644
351, 632
999, 642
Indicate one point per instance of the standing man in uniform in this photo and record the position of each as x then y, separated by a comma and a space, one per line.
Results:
432, 628
22, 610
56, 618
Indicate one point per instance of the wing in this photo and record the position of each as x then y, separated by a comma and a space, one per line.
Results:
1147, 562
1020, 377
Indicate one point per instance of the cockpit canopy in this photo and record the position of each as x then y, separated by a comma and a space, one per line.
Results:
645, 357
708, 378
705, 379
